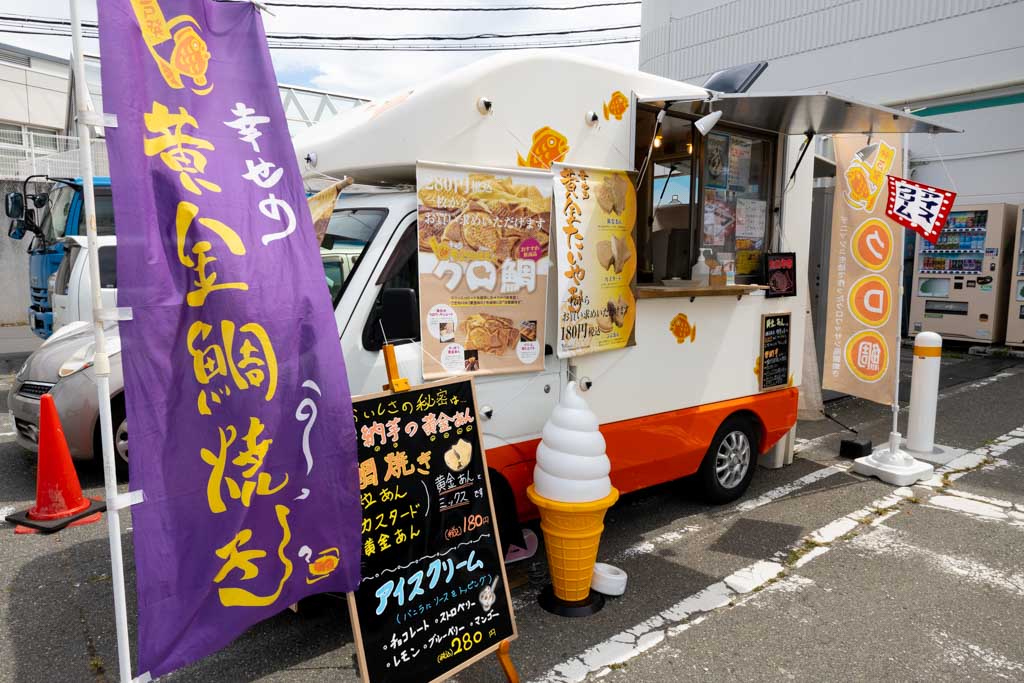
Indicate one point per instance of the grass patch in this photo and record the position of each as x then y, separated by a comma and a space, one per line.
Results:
805, 547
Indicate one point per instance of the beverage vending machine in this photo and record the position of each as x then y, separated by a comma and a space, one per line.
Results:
1015, 315
961, 283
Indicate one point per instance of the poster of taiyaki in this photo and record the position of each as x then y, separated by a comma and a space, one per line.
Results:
483, 268
595, 250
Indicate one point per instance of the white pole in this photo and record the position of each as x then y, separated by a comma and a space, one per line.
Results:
101, 364
924, 393
894, 435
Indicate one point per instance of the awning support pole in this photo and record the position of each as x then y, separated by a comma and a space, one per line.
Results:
808, 139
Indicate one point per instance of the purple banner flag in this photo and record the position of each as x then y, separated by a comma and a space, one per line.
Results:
242, 436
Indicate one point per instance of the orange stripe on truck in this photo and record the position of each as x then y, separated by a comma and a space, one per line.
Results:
651, 450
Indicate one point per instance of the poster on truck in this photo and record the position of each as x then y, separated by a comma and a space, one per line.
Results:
595, 219
861, 352
483, 268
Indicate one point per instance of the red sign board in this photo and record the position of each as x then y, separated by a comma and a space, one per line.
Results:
919, 207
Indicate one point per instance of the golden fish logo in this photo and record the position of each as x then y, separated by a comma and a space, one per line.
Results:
189, 56
616, 106
323, 565
682, 329
548, 147
757, 367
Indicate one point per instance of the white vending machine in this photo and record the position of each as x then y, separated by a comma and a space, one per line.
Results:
1015, 314
961, 283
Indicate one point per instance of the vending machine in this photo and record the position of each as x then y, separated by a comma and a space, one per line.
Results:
961, 283
1015, 315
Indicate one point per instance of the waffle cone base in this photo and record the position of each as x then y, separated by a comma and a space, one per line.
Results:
572, 535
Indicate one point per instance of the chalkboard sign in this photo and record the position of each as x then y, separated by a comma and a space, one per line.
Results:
780, 274
433, 597
775, 350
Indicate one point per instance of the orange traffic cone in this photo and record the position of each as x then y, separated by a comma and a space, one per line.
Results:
59, 499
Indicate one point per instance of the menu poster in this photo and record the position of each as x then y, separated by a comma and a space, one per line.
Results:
483, 268
780, 274
775, 329
739, 164
750, 218
434, 597
719, 219
595, 214
717, 161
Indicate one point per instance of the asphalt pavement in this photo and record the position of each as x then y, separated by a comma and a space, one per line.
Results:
816, 574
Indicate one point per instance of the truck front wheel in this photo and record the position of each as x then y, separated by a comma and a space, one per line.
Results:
729, 464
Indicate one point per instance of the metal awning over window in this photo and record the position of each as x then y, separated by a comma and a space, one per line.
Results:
798, 114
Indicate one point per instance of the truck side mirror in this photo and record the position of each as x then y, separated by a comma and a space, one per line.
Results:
400, 314
14, 205
17, 229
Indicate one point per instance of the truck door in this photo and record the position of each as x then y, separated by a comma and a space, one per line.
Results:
518, 404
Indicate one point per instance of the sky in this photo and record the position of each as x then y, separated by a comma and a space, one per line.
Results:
371, 73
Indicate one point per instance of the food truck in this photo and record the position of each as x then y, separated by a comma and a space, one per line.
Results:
688, 397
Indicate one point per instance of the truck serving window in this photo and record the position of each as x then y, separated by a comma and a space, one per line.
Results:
702, 192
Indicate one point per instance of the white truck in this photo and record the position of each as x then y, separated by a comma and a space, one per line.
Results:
667, 409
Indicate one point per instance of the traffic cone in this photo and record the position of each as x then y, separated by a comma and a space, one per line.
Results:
59, 499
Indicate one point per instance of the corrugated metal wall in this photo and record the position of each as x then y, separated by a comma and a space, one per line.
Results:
695, 45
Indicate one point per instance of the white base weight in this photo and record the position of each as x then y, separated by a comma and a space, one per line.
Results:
939, 455
901, 470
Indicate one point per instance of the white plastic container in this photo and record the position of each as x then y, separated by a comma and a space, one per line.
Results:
701, 272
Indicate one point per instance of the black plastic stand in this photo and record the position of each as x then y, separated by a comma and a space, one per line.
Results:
584, 608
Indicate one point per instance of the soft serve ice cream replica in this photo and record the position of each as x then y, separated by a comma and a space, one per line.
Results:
572, 490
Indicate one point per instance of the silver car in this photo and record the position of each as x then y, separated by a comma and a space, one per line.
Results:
63, 368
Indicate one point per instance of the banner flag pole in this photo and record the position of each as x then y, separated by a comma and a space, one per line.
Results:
894, 435
101, 362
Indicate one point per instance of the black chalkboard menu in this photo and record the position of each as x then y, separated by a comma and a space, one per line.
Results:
775, 330
433, 597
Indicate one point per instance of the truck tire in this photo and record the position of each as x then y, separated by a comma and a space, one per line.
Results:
730, 461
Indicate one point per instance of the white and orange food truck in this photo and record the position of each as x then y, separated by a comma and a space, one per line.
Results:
672, 405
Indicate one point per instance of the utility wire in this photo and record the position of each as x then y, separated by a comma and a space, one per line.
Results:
17, 19
509, 8
392, 47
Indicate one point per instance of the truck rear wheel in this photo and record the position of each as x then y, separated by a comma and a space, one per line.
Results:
729, 463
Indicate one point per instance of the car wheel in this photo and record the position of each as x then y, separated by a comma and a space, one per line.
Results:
730, 461
119, 422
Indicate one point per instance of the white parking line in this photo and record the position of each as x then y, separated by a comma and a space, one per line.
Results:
792, 486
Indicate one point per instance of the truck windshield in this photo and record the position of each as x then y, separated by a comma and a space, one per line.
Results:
348, 233
55, 219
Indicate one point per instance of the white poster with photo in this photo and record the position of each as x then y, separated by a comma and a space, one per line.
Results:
483, 268
739, 163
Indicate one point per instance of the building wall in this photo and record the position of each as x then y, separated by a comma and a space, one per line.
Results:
34, 95
908, 53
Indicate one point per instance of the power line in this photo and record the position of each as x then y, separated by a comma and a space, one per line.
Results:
335, 47
21, 19
509, 8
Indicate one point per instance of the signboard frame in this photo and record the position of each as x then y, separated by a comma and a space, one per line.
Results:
789, 277
357, 631
789, 346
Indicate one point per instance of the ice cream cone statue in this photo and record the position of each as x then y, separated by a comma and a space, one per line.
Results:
572, 490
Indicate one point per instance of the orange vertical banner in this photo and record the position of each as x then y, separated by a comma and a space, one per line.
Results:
862, 337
